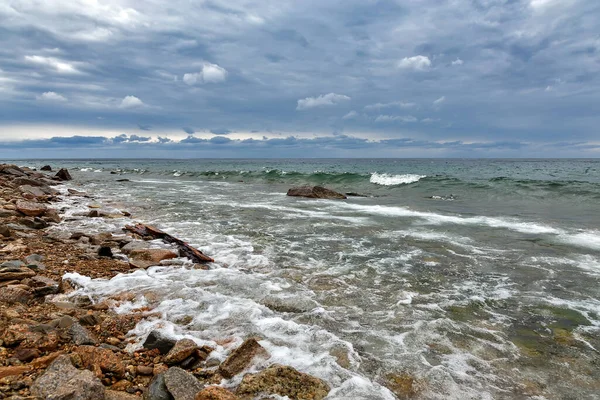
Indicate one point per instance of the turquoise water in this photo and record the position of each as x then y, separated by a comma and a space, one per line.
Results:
465, 278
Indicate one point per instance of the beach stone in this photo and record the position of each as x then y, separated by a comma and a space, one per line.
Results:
158, 389
6, 213
144, 258
315, 192
215, 393
33, 223
5, 231
52, 216
181, 384
144, 370
35, 191
116, 395
156, 340
11, 264
13, 248
76, 192
283, 381
89, 320
33, 258
63, 175
182, 350
242, 357
105, 251
46, 168
13, 170
80, 335
62, 381
27, 181
26, 355
11, 273
100, 360
30, 208
134, 245
12, 294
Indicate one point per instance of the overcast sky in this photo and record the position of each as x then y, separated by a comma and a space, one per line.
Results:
309, 78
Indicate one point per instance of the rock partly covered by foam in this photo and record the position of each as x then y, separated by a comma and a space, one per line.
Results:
283, 381
315, 192
242, 357
63, 381
144, 258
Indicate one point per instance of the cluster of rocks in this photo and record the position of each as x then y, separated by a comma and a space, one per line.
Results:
57, 344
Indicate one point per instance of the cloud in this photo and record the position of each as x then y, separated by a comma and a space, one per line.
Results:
51, 97
323, 100
54, 64
439, 101
393, 118
210, 73
458, 61
131, 102
144, 127
221, 131
351, 115
188, 130
417, 63
379, 106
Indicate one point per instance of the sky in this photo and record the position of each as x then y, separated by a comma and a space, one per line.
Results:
310, 78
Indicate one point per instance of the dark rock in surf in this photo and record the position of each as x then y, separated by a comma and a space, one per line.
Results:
354, 194
46, 168
122, 180
156, 340
315, 192
63, 175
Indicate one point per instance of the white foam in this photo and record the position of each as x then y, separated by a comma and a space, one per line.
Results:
392, 180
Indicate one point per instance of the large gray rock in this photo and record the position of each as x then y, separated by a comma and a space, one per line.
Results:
315, 192
80, 335
62, 381
181, 384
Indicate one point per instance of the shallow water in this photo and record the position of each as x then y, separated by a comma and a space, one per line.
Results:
451, 279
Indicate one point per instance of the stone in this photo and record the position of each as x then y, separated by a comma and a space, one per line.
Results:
182, 350
43, 362
89, 320
46, 168
63, 175
181, 384
5, 231
283, 381
33, 258
26, 355
156, 340
30, 208
115, 395
13, 248
33, 223
215, 393
144, 370
9, 274
144, 258
35, 191
315, 192
80, 335
94, 214
52, 215
157, 389
74, 192
12, 294
5, 213
105, 251
13, 370
28, 181
100, 360
241, 358
136, 244
62, 381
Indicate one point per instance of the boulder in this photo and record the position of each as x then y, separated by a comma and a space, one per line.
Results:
156, 340
62, 381
133, 245
35, 191
6, 213
283, 381
14, 294
28, 182
157, 389
11, 169
100, 360
215, 393
63, 175
241, 358
181, 384
30, 208
315, 192
51, 215
182, 350
46, 168
144, 258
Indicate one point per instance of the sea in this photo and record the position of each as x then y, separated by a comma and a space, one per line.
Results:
435, 279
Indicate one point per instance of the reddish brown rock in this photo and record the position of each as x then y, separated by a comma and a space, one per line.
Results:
30, 208
26, 355
52, 215
242, 357
12, 294
114, 395
283, 381
63, 381
144, 370
215, 393
182, 350
43, 362
9, 274
13, 371
144, 258
100, 360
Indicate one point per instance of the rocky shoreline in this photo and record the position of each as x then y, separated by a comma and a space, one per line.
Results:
56, 343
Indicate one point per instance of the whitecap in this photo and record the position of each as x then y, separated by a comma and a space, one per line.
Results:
392, 180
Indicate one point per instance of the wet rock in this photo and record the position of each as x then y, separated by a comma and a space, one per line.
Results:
51, 215
5, 231
5, 213
63, 175
215, 393
122, 180
144, 258
156, 340
242, 357
136, 244
158, 389
100, 360
89, 320
181, 384
46, 168
315, 192
403, 385
80, 335
12, 294
94, 214
11, 273
74, 192
44, 286
12, 170
30, 208
27, 181
26, 355
182, 350
65, 382
283, 381
144, 370
105, 251
35, 191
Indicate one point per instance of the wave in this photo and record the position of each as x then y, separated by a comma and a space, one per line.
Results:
393, 180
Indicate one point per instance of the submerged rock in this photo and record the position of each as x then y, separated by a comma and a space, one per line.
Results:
181, 384
283, 381
63, 381
315, 192
242, 357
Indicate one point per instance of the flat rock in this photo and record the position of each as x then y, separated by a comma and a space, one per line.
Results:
30, 208
182, 350
12, 294
62, 381
13, 370
27, 181
9, 274
241, 358
181, 384
100, 360
152, 256
215, 393
315, 192
51, 215
6, 213
36, 191
157, 389
156, 340
283, 381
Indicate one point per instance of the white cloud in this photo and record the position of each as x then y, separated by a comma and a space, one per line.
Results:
417, 63
210, 73
131, 102
351, 115
458, 61
379, 106
439, 101
329, 99
60, 66
51, 96
393, 118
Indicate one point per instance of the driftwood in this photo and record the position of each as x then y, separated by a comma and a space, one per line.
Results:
185, 249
